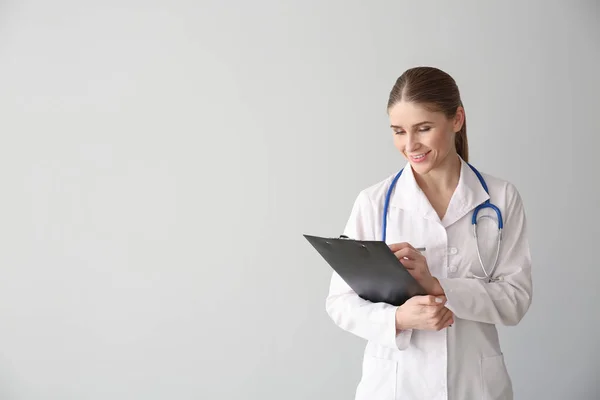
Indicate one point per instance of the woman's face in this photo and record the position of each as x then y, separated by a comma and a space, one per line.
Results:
424, 137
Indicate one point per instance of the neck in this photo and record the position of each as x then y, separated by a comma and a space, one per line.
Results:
444, 178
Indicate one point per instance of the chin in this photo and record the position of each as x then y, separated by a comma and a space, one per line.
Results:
422, 167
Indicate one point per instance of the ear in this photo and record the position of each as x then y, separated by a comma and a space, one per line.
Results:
459, 119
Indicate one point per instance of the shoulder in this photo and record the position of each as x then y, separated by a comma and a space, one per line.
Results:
365, 218
376, 193
502, 189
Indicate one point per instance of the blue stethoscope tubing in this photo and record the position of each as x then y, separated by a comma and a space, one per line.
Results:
486, 204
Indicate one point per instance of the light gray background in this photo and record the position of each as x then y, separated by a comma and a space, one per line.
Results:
159, 162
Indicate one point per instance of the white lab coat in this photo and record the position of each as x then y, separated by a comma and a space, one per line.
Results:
464, 361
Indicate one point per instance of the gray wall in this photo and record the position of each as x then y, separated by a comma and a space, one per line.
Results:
159, 162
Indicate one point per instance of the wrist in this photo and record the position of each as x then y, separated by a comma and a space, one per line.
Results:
436, 288
400, 326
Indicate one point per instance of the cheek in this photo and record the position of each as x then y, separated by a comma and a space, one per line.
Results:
441, 140
399, 143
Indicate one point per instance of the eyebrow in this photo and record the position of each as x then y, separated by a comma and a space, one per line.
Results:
414, 126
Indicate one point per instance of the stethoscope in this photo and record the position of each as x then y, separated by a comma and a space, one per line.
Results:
486, 204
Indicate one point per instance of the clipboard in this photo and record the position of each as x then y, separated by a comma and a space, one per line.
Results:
369, 267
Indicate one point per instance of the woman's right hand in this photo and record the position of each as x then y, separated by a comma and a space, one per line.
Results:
424, 312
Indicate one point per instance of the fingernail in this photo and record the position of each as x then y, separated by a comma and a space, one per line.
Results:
438, 300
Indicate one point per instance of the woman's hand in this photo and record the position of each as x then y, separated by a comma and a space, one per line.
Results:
424, 312
416, 264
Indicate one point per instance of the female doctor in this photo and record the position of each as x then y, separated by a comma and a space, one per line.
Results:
444, 345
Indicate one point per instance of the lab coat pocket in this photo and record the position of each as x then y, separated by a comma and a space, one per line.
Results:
496, 383
378, 379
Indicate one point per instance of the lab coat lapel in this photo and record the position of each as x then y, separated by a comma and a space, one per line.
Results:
409, 196
469, 193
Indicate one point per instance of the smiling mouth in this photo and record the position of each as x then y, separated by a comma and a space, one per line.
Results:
420, 157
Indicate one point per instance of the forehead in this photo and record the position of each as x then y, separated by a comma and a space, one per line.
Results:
409, 113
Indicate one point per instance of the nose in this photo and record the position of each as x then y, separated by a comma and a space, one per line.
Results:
411, 143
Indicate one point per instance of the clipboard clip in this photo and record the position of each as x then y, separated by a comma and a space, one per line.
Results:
344, 237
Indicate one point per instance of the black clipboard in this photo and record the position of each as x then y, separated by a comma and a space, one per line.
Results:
369, 267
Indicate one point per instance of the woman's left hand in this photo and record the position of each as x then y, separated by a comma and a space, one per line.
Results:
416, 264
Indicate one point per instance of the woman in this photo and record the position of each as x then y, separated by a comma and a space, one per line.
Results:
445, 345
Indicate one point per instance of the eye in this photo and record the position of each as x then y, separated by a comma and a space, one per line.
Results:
424, 129
398, 132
